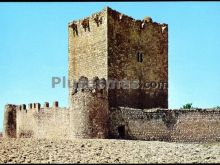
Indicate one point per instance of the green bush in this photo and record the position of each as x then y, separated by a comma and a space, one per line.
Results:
187, 106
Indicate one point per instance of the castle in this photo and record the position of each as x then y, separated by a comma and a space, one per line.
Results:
118, 76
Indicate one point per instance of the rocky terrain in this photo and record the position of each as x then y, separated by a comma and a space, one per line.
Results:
105, 151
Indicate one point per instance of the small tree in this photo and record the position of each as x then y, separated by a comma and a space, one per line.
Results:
218, 107
187, 106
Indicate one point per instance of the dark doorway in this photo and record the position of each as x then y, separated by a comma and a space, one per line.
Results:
121, 132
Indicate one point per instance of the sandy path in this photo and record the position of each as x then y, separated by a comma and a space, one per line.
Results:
105, 151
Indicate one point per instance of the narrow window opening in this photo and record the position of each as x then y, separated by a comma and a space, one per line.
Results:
138, 54
139, 57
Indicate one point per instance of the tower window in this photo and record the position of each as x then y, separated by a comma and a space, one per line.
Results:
139, 57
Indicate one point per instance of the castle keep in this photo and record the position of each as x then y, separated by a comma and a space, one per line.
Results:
118, 75
114, 46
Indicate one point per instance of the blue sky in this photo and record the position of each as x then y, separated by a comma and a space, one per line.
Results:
33, 48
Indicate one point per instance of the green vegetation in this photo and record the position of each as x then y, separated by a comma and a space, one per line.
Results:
187, 106
217, 107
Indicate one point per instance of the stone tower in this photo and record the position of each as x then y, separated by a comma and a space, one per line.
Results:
131, 55
89, 112
10, 121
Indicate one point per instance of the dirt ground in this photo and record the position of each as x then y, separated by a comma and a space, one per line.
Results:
105, 151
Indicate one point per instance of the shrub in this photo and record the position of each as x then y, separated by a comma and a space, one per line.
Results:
217, 107
187, 106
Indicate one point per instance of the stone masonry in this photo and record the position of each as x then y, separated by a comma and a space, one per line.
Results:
118, 76
116, 47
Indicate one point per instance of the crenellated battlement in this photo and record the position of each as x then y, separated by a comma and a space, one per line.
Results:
33, 106
97, 19
7, 106
87, 23
36, 121
139, 24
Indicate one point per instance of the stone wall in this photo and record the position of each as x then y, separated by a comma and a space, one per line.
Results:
87, 118
167, 125
91, 118
203, 125
138, 50
36, 122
